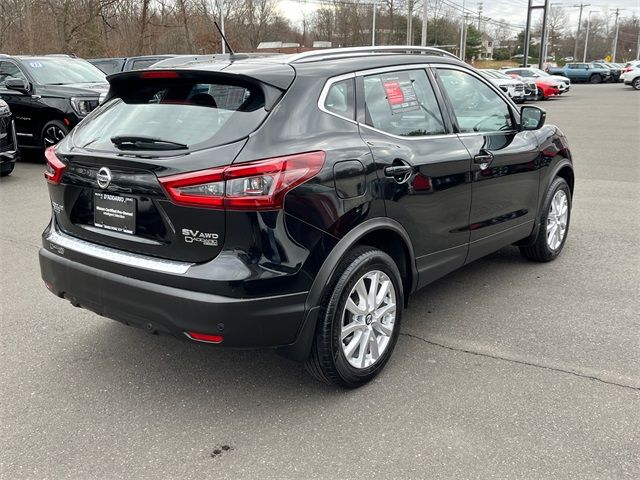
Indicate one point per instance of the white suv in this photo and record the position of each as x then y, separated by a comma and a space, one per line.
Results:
632, 77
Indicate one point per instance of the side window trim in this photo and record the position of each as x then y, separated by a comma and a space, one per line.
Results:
515, 115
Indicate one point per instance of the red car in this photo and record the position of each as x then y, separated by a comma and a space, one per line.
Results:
546, 87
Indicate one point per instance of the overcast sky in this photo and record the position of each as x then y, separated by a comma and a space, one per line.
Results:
514, 11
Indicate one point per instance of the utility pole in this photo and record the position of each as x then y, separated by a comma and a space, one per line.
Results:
525, 49
480, 9
586, 40
423, 40
410, 22
373, 24
462, 33
221, 7
464, 36
575, 45
638, 47
543, 41
615, 38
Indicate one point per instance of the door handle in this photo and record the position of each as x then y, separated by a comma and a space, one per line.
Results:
483, 158
398, 170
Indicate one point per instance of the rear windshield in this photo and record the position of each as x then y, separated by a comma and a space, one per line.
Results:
195, 115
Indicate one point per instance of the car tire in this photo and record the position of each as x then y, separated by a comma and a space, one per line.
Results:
7, 169
52, 133
554, 224
343, 351
540, 95
636, 83
595, 78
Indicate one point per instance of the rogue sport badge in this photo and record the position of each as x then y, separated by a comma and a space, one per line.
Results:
103, 177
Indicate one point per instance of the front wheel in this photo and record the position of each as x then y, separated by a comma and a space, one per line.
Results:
636, 83
554, 223
359, 319
6, 169
540, 94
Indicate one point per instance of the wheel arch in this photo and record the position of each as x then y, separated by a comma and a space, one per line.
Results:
384, 233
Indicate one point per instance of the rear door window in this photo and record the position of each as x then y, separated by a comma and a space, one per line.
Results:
402, 103
194, 114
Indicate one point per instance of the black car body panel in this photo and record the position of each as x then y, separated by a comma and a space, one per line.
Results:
261, 284
42, 103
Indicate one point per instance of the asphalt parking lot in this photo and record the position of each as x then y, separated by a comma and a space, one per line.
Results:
505, 369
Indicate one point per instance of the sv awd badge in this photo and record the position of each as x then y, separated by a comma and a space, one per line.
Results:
206, 238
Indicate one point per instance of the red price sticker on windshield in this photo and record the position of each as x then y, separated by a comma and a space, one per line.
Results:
395, 96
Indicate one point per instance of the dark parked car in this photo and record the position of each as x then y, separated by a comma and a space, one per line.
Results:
296, 201
48, 95
124, 64
8, 144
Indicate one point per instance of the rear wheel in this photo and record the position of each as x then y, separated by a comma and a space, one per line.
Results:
595, 78
636, 83
554, 224
53, 132
359, 319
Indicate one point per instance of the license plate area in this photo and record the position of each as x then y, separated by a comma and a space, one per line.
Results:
114, 212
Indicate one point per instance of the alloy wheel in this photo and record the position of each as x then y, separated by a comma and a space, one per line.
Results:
368, 319
557, 219
52, 135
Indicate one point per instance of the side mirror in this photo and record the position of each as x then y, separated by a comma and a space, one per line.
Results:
532, 118
18, 84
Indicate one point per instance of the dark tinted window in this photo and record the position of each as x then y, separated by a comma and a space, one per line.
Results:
143, 63
108, 66
477, 107
198, 115
402, 103
9, 70
340, 99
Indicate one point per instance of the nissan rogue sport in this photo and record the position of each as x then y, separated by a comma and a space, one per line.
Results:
296, 202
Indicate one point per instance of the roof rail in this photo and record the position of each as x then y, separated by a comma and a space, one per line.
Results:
360, 51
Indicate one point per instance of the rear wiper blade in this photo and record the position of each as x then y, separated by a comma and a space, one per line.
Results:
146, 143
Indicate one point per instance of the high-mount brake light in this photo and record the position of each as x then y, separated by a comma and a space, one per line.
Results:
160, 74
55, 167
259, 185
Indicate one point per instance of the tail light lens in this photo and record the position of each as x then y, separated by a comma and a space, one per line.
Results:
55, 167
260, 185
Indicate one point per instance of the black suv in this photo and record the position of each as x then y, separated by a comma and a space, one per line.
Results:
296, 201
49, 95
8, 143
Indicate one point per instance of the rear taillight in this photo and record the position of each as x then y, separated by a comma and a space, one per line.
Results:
55, 167
260, 185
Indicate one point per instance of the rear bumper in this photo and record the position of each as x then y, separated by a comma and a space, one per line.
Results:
242, 322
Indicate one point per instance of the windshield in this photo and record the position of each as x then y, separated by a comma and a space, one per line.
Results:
182, 114
63, 71
542, 73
